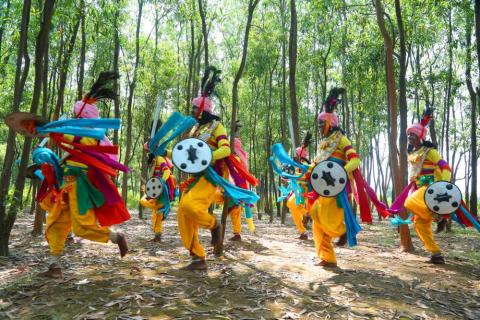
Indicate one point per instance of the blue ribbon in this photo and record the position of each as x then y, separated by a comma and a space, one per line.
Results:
248, 212
45, 155
351, 224
235, 194
108, 123
175, 125
398, 221
471, 218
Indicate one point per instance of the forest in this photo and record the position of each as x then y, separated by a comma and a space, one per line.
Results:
279, 60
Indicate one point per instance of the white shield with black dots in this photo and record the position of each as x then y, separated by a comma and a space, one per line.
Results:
443, 197
192, 155
328, 178
154, 188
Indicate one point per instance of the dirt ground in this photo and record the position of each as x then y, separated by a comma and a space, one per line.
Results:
269, 275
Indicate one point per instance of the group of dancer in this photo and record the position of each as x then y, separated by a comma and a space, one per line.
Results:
78, 192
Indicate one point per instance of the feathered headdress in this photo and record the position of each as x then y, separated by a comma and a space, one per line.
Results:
86, 108
302, 152
328, 115
209, 81
420, 129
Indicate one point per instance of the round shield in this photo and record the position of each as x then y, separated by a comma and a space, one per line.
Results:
328, 178
24, 123
153, 188
443, 197
192, 155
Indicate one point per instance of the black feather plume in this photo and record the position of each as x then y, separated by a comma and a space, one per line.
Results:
332, 99
307, 140
210, 80
100, 90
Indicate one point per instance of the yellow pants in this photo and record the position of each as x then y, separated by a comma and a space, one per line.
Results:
63, 216
157, 217
193, 213
298, 212
423, 219
328, 223
236, 217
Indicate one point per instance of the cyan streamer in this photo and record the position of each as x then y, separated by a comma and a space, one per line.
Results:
176, 124
76, 131
45, 155
398, 221
108, 123
471, 218
91, 128
165, 199
234, 193
351, 224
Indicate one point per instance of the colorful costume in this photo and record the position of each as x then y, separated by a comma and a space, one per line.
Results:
160, 206
425, 167
333, 217
80, 195
235, 211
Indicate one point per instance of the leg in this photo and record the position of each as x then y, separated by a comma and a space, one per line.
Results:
235, 215
423, 223
298, 213
57, 228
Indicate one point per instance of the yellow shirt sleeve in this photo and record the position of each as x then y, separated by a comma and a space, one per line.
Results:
161, 162
439, 174
223, 149
352, 159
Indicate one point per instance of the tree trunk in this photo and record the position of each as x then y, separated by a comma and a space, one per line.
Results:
83, 48
203, 12
402, 85
8, 220
405, 239
473, 119
64, 69
131, 93
116, 86
292, 59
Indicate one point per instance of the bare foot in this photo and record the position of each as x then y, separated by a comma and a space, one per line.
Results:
196, 265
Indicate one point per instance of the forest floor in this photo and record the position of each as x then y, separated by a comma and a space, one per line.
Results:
269, 275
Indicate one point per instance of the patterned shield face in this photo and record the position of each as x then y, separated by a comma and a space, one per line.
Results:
153, 188
192, 155
328, 178
443, 197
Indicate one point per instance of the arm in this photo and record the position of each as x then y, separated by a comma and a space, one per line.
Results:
161, 166
445, 171
220, 136
353, 160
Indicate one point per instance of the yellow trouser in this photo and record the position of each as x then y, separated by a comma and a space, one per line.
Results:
423, 219
298, 212
328, 223
193, 213
236, 217
157, 217
63, 216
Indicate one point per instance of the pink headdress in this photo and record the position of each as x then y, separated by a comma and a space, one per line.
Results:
209, 81
86, 108
420, 129
328, 115
242, 154
301, 152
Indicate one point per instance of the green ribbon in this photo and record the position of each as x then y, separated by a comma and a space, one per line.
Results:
425, 180
88, 196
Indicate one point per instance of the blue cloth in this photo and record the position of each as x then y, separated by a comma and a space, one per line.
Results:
175, 125
398, 221
165, 199
91, 128
351, 223
474, 221
248, 212
236, 194
45, 155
